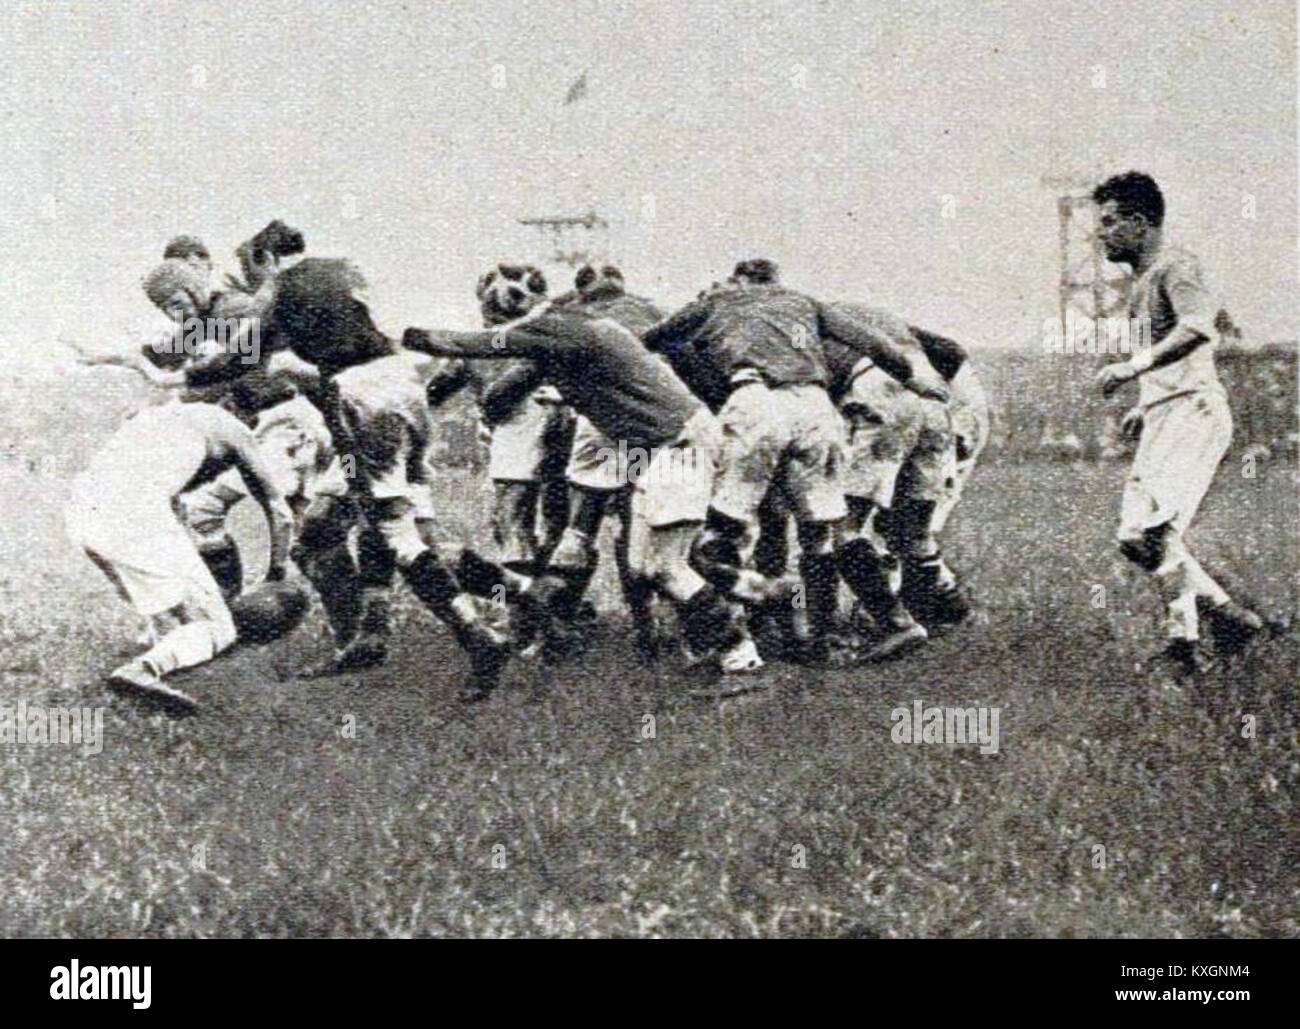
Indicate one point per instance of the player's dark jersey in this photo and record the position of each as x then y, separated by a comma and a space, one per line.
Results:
842, 360
771, 330
634, 313
599, 367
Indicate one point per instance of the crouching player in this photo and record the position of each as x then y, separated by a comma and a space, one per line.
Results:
632, 396
375, 402
1185, 422
121, 515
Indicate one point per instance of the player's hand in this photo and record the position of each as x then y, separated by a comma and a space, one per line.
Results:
930, 390
85, 354
1130, 425
1113, 376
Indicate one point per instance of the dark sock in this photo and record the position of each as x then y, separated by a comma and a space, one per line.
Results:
707, 621
867, 573
433, 582
821, 580
227, 567
334, 575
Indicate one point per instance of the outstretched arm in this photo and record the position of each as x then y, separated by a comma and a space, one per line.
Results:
669, 335
874, 342
133, 361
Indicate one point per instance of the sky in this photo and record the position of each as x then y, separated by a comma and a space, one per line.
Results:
898, 153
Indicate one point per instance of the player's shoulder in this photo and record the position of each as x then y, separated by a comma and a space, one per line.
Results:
1179, 263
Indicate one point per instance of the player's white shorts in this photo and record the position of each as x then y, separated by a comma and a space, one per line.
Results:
897, 442
137, 541
518, 451
593, 463
790, 437
1183, 440
971, 425
675, 488
292, 438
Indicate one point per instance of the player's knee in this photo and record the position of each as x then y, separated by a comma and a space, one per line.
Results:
1148, 550
575, 551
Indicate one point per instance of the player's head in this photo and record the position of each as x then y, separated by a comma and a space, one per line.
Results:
509, 291
592, 282
178, 288
1130, 208
261, 256
190, 249
319, 307
756, 271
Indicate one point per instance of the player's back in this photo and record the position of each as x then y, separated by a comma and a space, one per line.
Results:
771, 329
606, 373
636, 314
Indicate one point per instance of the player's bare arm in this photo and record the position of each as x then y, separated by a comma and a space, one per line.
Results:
238, 442
1183, 338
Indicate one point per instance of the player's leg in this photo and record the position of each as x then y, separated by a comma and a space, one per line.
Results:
516, 455
595, 477
930, 589
812, 479
553, 502
638, 591
755, 425
882, 427
1183, 440
402, 521
772, 622
321, 552
668, 507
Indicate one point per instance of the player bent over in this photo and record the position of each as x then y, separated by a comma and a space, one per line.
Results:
121, 514
630, 395
756, 348
1186, 425
530, 432
596, 485
376, 405
899, 456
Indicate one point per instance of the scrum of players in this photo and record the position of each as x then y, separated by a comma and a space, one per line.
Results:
710, 437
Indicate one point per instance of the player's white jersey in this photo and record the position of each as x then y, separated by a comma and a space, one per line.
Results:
1173, 290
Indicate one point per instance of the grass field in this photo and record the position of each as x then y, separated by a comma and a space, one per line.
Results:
789, 812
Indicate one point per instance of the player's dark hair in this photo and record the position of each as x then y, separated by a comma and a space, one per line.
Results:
183, 246
585, 277
1134, 192
757, 269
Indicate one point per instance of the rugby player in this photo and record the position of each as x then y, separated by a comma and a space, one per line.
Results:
529, 431
374, 400
671, 439
121, 515
597, 484
1184, 418
754, 349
